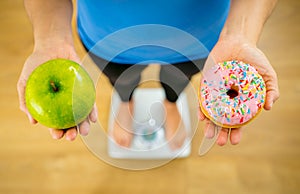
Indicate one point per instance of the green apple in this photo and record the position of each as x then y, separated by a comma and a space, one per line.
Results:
60, 94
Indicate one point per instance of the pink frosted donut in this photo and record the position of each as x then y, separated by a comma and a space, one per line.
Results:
232, 93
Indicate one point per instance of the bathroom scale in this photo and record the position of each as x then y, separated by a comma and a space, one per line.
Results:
148, 127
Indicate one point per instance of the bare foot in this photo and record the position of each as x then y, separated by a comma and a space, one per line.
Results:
174, 126
122, 131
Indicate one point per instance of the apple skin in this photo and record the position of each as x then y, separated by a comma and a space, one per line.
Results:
60, 94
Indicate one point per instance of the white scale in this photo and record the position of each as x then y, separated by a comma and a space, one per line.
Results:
149, 136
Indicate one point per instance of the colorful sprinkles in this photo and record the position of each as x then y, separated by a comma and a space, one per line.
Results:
226, 76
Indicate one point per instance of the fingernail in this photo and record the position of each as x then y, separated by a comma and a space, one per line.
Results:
69, 138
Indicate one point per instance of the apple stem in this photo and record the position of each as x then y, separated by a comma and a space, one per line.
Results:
55, 89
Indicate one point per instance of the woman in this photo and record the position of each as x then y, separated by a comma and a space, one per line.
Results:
228, 29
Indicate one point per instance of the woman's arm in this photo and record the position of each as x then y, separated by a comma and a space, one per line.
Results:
51, 21
247, 18
238, 41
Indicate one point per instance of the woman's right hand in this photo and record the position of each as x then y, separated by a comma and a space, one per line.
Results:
40, 55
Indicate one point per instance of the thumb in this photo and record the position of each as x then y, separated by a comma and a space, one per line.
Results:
271, 82
272, 96
22, 104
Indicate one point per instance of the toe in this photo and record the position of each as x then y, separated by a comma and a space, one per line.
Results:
123, 141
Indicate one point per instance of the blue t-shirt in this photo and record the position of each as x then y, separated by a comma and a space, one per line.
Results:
143, 31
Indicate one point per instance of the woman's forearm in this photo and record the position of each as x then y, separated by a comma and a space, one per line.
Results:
246, 19
51, 20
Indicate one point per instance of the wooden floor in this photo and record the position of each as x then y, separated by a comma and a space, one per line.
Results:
266, 161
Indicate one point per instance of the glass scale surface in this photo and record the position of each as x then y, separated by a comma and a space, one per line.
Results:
148, 124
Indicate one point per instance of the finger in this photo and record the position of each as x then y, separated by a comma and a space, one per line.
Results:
84, 127
271, 82
209, 129
223, 137
201, 116
94, 114
71, 134
56, 133
272, 96
235, 136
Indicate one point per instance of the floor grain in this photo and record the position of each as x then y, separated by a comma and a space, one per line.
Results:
266, 161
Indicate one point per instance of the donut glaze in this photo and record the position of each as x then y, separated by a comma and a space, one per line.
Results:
232, 93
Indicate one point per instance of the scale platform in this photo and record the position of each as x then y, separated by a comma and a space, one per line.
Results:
148, 125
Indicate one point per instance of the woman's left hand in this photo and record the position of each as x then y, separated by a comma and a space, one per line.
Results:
238, 48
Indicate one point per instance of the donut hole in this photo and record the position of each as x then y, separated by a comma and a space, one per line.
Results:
233, 91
